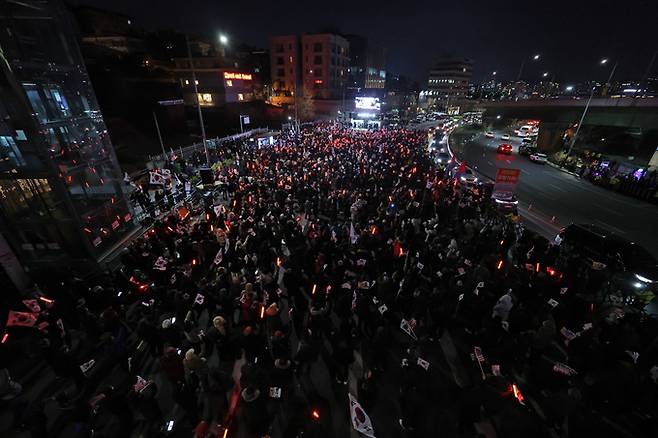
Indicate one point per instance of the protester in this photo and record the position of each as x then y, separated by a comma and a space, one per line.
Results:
348, 254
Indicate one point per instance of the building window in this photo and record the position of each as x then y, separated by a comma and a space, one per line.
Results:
290, 59
279, 60
10, 151
290, 46
280, 72
317, 47
38, 107
317, 72
205, 98
291, 71
229, 83
240, 97
317, 60
196, 82
278, 48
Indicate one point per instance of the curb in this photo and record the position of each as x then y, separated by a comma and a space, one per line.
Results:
562, 169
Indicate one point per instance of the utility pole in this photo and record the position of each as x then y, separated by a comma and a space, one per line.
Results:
198, 103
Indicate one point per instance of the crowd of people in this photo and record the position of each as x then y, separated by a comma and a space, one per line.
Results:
340, 262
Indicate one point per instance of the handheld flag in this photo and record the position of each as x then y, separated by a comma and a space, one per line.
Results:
360, 420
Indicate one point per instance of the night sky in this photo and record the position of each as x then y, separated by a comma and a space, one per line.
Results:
571, 35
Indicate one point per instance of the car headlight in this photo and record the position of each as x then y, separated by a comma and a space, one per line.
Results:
475, 180
643, 279
462, 178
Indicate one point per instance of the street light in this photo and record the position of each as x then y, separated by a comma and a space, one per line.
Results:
569, 88
545, 74
223, 39
535, 58
494, 73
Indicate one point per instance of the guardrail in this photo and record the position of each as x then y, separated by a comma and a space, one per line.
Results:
211, 143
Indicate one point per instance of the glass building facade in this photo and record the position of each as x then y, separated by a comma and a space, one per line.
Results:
61, 189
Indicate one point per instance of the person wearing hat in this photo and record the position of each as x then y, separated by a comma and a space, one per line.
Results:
218, 335
196, 369
252, 410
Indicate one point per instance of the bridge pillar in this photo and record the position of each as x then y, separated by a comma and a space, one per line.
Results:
550, 137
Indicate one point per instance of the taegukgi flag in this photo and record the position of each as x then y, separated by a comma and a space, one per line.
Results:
360, 420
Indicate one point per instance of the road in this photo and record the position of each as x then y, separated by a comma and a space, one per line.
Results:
550, 199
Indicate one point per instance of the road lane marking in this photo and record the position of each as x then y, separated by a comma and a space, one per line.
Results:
619, 231
616, 213
559, 189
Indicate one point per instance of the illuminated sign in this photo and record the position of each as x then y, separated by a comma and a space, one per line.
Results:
368, 103
235, 75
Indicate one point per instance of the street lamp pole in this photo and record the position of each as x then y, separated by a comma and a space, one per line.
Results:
157, 128
580, 123
198, 102
518, 77
608, 83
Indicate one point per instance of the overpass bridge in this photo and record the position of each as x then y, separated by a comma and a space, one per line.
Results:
556, 115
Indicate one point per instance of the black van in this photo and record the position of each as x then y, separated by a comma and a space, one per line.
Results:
602, 248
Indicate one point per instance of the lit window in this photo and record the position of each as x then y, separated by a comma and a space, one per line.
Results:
205, 98
229, 83
196, 82
187, 82
290, 58
240, 96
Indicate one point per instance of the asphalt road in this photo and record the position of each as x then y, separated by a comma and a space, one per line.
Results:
550, 199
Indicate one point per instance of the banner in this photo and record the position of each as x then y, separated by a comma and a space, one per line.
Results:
506, 180
360, 420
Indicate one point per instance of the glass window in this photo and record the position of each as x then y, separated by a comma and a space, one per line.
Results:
317, 47
317, 59
10, 154
38, 107
317, 72
279, 60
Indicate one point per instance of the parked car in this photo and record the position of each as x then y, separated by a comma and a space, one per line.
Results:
527, 150
467, 177
489, 134
538, 158
506, 202
505, 148
505, 137
600, 249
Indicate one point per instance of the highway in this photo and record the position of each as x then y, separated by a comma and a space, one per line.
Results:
550, 199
